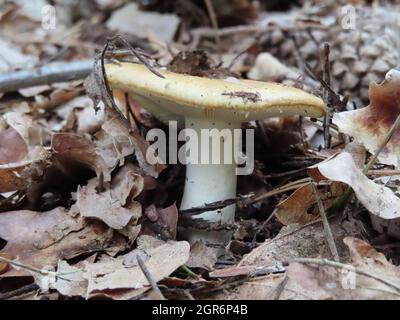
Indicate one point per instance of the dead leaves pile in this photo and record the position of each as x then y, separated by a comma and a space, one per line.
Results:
368, 126
104, 219
73, 176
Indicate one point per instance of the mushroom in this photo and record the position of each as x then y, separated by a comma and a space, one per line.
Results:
204, 103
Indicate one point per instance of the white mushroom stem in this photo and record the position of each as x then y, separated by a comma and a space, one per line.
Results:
207, 183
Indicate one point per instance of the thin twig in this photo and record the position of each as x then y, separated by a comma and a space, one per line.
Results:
53, 73
102, 83
150, 278
244, 200
327, 115
214, 23
232, 63
136, 53
288, 187
327, 227
280, 287
33, 269
341, 202
335, 264
20, 291
384, 172
209, 32
208, 207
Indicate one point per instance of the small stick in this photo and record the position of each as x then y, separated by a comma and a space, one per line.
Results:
209, 33
288, 187
214, 23
139, 56
239, 200
17, 292
326, 77
53, 73
33, 269
149, 277
245, 200
384, 172
328, 231
342, 200
325, 262
280, 287
208, 207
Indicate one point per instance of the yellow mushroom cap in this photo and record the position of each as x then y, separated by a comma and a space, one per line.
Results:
220, 99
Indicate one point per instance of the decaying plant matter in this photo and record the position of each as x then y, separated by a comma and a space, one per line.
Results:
88, 210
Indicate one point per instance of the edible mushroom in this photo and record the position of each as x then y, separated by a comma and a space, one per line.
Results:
204, 103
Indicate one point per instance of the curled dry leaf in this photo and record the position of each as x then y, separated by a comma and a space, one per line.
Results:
79, 111
120, 278
365, 257
18, 175
12, 146
70, 281
41, 238
20, 162
370, 125
161, 222
111, 274
201, 256
114, 206
20, 123
377, 199
301, 207
72, 149
119, 132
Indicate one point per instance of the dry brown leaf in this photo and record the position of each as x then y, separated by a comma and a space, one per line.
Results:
86, 118
116, 129
71, 281
327, 282
301, 206
22, 160
262, 288
294, 241
22, 123
161, 222
370, 125
18, 176
41, 238
201, 256
12, 146
114, 206
72, 149
111, 274
378, 199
